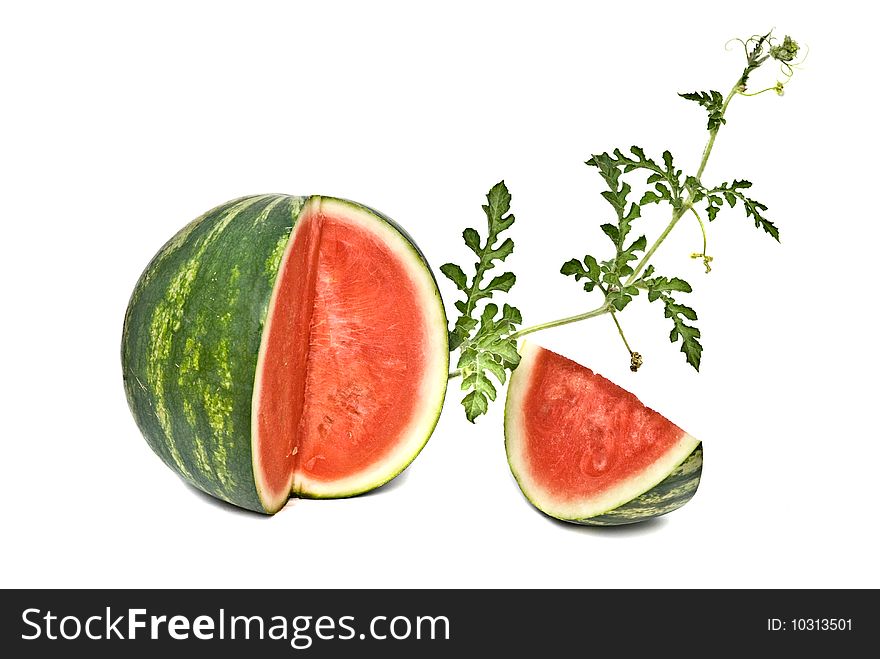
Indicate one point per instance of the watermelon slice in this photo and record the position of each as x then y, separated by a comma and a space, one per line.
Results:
286, 346
584, 450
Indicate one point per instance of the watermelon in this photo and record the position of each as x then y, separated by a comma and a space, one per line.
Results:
285, 346
586, 451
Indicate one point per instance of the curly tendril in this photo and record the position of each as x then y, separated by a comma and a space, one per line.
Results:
760, 48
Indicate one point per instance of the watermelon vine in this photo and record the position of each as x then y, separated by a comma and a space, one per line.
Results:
485, 336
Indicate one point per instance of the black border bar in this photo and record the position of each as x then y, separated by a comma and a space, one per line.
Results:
335, 623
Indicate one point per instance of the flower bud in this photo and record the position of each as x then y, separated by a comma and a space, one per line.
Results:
786, 51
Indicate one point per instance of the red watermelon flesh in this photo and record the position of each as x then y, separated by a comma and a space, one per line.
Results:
580, 446
350, 353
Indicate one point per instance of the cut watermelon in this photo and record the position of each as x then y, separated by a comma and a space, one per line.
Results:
286, 346
584, 450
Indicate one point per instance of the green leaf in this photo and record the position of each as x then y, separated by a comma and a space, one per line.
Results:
456, 274
638, 245
611, 167
589, 270
496, 210
664, 284
619, 300
755, 209
611, 231
501, 252
612, 276
754, 57
651, 197
592, 267
674, 309
472, 240
506, 351
690, 344
489, 252
574, 267
489, 352
480, 384
731, 192
501, 283
609, 275
462, 329
713, 102
497, 369
659, 289
475, 404
620, 266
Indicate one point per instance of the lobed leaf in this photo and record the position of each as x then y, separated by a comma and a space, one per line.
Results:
456, 274
713, 102
588, 270
489, 252
730, 193
659, 288
490, 352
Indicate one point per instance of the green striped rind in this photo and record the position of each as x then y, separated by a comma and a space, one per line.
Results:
191, 338
670, 494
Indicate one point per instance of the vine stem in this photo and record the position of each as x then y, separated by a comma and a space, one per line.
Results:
702, 229
676, 216
688, 203
677, 213
705, 256
598, 311
620, 331
711, 142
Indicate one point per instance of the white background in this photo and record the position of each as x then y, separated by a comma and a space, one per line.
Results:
120, 124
